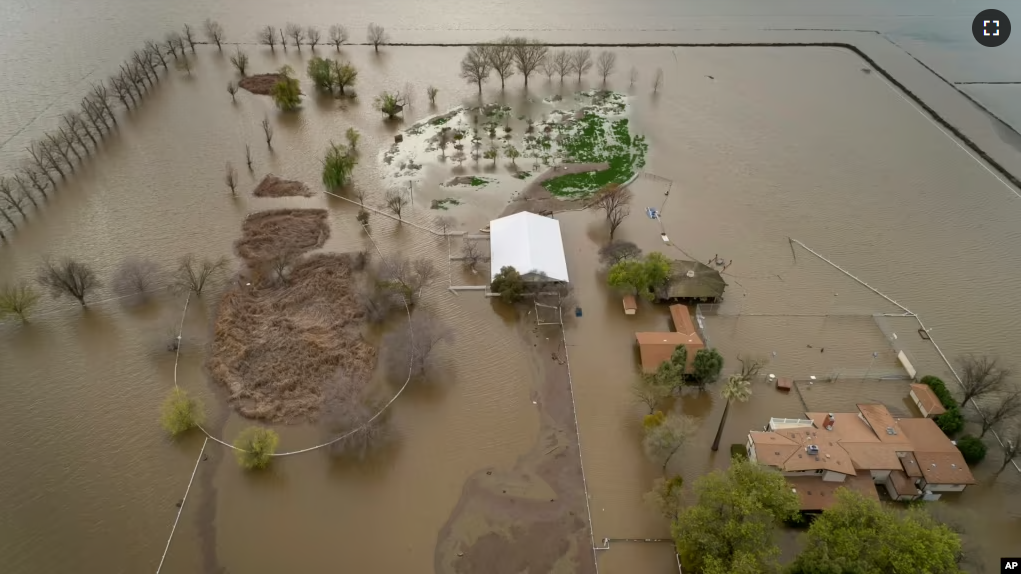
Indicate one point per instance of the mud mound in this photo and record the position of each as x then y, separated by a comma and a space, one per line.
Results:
261, 84
273, 234
274, 187
276, 347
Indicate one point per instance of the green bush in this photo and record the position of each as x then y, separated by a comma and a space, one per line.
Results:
180, 412
738, 449
940, 389
972, 448
509, 285
255, 447
950, 422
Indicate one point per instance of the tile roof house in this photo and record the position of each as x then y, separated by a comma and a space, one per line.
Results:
912, 458
656, 347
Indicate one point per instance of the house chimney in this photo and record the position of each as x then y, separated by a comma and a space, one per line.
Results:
830, 420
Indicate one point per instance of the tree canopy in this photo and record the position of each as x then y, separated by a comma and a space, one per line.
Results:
642, 276
707, 366
287, 90
731, 527
858, 535
509, 285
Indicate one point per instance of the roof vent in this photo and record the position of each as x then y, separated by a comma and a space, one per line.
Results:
690, 273
934, 466
891, 431
953, 466
812, 449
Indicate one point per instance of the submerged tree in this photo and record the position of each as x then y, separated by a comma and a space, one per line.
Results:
737, 388
17, 299
232, 89
1007, 407
214, 33
231, 177
395, 202
344, 75
181, 412
320, 71
268, 37
618, 251
981, 375
707, 366
287, 90
295, 33
509, 284
377, 36
501, 59
338, 35
189, 36
475, 67
337, 167
136, 278
410, 348
667, 496
581, 61
192, 275
431, 93
267, 131
665, 435
313, 35
255, 447
606, 63
357, 423
561, 61
240, 61
528, 56
657, 80
68, 277
352, 135
390, 103
647, 391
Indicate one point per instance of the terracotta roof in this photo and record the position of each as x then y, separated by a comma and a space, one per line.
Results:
773, 449
903, 484
926, 397
881, 422
850, 426
818, 495
875, 455
657, 347
910, 464
682, 320
925, 435
938, 458
831, 456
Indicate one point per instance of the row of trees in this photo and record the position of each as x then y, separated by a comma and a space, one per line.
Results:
135, 280
508, 56
311, 36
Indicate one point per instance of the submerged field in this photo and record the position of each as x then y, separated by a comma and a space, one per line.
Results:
753, 158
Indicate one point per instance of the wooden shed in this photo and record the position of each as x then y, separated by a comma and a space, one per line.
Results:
630, 305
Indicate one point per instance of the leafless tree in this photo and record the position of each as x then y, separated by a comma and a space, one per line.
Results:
68, 277
980, 375
611, 196
657, 80
377, 36
186, 64
171, 43
35, 152
189, 36
52, 145
409, 277
248, 156
501, 59
68, 140
409, 95
19, 180
431, 92
122, 91
154, 49
581, 61
395, 202
99, 96
267, 131
35, 177
232, 89
268, 37
634, 75
137, 279
472, 253
446, 222
606, 63
616, 216
351, 415
232, 179
547, 67
314, 35
562, 63
283, 38
77, 126
1007, 406
413, 350
618, 251
475, 66
214, 33
50, 148
528, 56
96, 116
1011, 438
295, 33
10, 197
377, 301
192, 275
240, 61
648, 393
7, 216
338, 35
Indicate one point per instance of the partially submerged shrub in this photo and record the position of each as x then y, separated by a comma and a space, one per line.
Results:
951, 422
337, 167
509, 285
287, 90
180, 412
255, 447
17, 300
972, 448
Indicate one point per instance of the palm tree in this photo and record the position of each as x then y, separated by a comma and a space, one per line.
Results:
737, 388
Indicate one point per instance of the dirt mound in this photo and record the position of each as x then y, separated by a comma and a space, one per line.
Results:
278, 233
261, 84
277, 346
274, 187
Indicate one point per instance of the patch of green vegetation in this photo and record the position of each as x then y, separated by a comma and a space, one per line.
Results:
442, 204
522, 175
595, 139
476, 182
440, 121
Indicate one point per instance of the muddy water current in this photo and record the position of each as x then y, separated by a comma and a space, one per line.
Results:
778, 143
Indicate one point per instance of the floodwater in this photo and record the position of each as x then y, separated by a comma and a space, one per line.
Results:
770, 148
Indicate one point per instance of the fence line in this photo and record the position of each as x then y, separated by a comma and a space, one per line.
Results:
181, 507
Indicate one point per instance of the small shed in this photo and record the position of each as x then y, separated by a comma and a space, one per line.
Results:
630, 305
926, 401
784, 383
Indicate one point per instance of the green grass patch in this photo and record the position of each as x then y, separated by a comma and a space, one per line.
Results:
442, 204
440, 121
478, 181
594, 139
522, 175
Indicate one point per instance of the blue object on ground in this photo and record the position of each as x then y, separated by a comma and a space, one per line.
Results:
577, 312
652, 213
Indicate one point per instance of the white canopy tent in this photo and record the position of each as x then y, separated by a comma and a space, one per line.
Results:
528, 242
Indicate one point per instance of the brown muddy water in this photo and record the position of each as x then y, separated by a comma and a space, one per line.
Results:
769, 148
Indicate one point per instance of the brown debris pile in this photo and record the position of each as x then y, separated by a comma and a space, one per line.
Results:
273, 234
277, 345
261, 84
274, 187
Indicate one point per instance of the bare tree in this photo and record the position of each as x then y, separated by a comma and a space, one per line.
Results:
295, 33
232, 89
19, 179
409, 95
68, 277
409, 348
657, 80
10, 197
268, 37
606, 63
617, 251
137, 279
648, 393
634, 75
664, 436
35, 177
314, 35
240, 61
7, 216
475, 67
186, 64
357, 423
980, 375
77, 126
1007, 406
501, 59
189, 36
376, 301
68, 140
35, 152
1011, 438
232, 179
472, 254
528, 56
214, 33
248, 156
267, 131
154, 49
612, 196
445, 223
616, 216
172, 42
377, 36
192, 275
54, 145
395, 202
283, 39
408, 277
562, 63
338, 35
581, 61
547, 67
431, 92
17, 299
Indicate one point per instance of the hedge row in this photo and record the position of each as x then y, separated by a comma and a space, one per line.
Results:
952, 421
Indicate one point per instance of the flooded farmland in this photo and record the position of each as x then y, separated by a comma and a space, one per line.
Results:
764, 150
